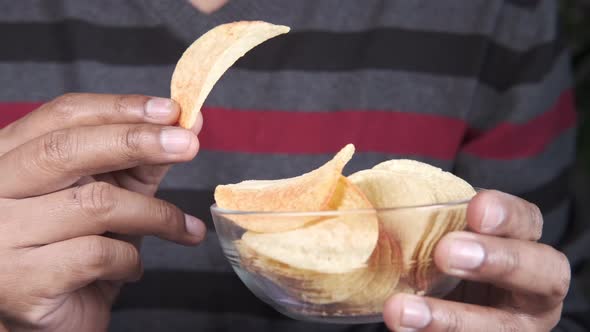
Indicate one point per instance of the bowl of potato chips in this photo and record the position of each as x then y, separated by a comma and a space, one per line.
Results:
323, 246
332, 248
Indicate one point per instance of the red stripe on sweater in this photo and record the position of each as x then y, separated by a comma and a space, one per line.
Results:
326, 132
258, 131
10, 112
513, 141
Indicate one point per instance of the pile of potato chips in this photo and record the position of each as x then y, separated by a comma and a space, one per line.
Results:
347, 243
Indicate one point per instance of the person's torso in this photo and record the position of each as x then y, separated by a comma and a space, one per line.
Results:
396, 78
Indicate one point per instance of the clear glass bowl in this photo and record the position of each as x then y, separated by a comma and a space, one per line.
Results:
402, 261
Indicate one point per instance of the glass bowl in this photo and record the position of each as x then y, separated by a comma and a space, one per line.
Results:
401, 260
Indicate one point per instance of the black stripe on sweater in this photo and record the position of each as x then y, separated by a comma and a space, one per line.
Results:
387, 48
528, 4
196, 291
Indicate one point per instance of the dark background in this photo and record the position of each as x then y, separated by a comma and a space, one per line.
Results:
576, 24
575, 15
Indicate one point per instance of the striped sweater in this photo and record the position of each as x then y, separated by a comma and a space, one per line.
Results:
478, 87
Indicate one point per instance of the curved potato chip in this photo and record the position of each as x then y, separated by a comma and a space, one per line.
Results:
334, 245
347, 196
312, 191
337, 244
208, 58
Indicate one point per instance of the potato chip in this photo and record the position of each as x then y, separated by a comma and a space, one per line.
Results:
336, 244
312, 286
387, 190
361, 291
446, 187
445, 184
385, 275
444, 220
308, 286
308, 192
424, 227
207, 59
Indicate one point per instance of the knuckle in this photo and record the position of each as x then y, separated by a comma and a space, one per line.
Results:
510, 323
33, 315
97, 254
64, 106
133, 256
452, 322
131, 140
57, 148
508, 263
121, 104
523, 322
96, 199
129, 253
170, 218
536, 220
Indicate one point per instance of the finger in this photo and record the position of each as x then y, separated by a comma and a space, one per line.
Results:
66, 266
98, 208
522, 266
87, 109
405, 312
198, 123
57, 160
496, 213
145, 179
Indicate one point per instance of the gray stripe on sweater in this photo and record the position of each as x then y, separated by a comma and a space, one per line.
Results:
519, 175
301, 90
522, 103
211, 168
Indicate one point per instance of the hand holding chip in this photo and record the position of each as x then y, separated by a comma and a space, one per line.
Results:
515, 283
76, 197
89, 165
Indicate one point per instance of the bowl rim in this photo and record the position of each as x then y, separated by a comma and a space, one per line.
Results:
216, 210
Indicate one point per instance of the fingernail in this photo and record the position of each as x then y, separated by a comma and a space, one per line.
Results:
493, 216
465, 255
158, 108
194, 226
415, 314
175, 140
